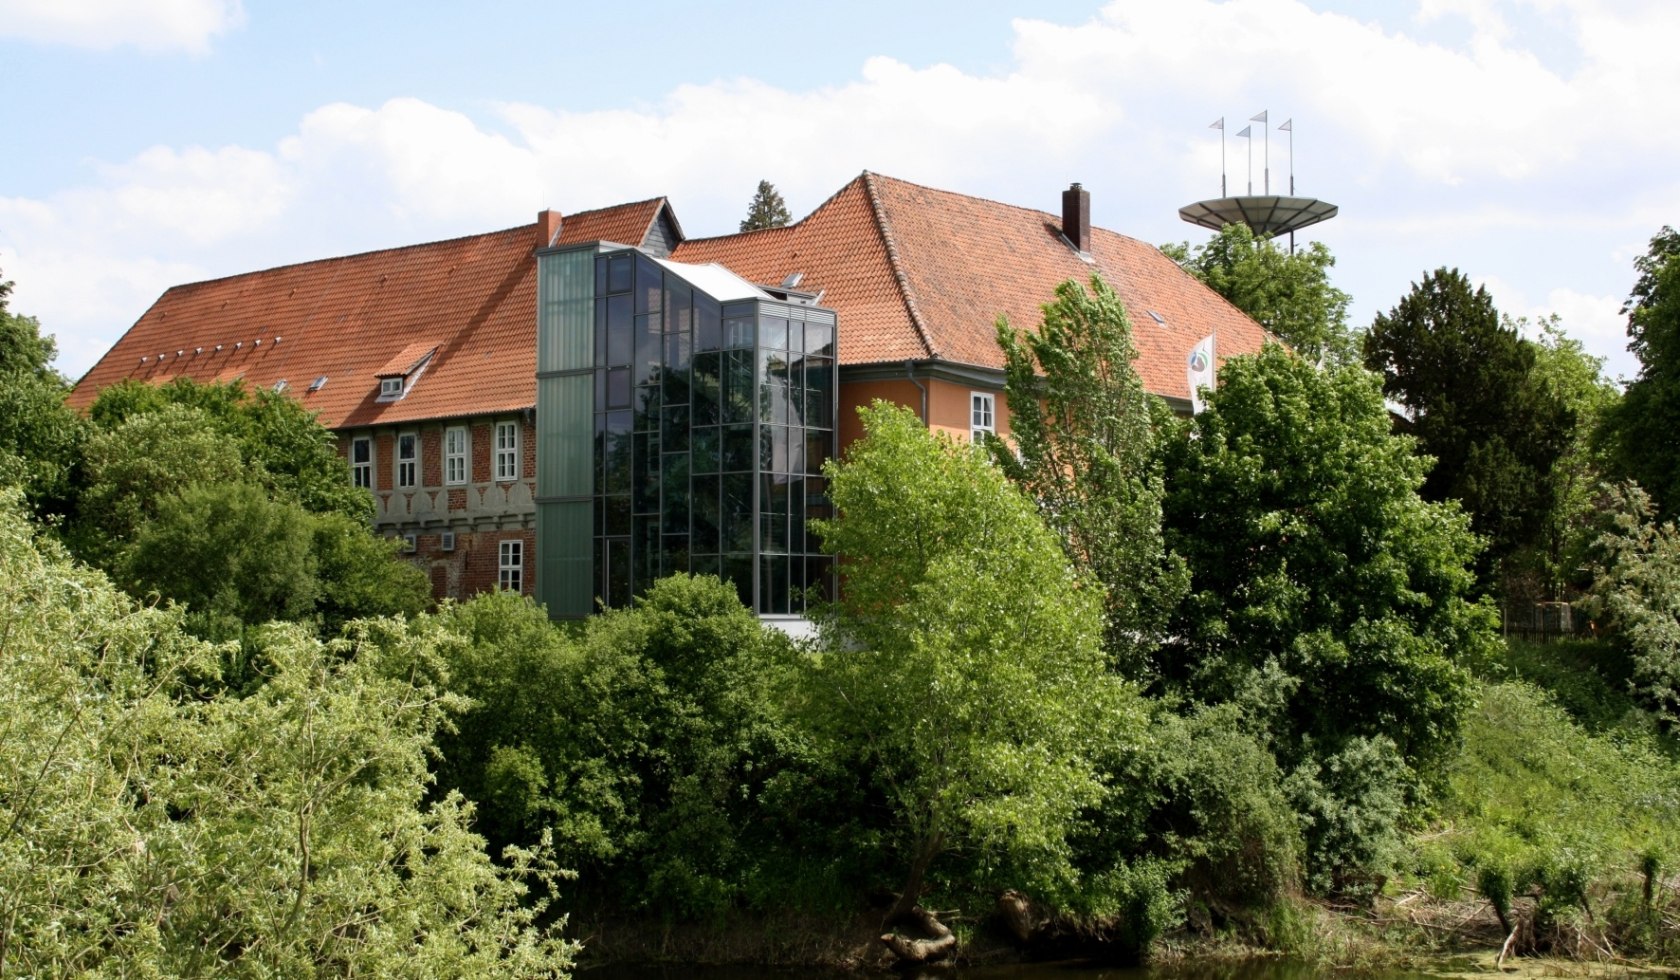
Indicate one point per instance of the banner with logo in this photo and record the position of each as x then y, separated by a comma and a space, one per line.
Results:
1199, 372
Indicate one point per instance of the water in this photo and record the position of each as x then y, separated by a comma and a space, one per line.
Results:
1259, 969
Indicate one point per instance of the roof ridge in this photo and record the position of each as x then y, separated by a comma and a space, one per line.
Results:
1005, 204
884, 228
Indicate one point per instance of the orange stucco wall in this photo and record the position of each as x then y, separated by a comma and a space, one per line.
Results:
948, 406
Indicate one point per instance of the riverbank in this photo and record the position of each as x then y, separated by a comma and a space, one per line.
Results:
1407, 934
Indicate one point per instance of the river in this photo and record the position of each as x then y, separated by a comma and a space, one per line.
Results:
1258, 969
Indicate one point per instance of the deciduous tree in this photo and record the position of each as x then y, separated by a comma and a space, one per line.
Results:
965, 655
40, 437
152, 830
1084, 449
1641, 430
1324, 589
1288, 293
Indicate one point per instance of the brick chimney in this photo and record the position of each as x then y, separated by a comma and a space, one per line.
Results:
1076, 217
548, 227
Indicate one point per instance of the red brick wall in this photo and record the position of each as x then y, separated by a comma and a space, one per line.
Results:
474, 564
431, 456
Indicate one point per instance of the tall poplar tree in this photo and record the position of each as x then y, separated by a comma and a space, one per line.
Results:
1084, 450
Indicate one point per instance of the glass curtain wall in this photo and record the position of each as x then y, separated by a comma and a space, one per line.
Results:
712, 421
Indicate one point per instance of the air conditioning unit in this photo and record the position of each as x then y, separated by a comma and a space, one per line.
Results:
446, 541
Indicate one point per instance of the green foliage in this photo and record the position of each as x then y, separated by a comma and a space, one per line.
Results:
149, 831
359, 574
1636, 593
1539, 815
229, 553
767, 209
280, 443
1476, 403
1288, 293
1640, 431
1084, 429
1324, 590
1572, 378
131, 466
964, 657
654, 746
1350, 805
40, 437
1203, 795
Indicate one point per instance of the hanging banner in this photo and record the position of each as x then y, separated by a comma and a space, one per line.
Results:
1199, 372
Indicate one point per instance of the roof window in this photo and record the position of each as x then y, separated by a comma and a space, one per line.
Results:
400, 373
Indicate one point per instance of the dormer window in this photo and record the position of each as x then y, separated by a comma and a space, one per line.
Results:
400, 373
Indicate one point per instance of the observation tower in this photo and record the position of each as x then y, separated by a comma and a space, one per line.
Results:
1265, 213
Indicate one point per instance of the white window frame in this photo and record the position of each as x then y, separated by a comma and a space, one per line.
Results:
456, 451
391, 389
510, 564
408, 467
982, 416
361, 472
507, 451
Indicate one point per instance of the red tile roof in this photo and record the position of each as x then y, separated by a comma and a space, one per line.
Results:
915, 274
347, 319
919, 273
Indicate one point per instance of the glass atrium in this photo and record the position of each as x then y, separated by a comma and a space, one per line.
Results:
683, 418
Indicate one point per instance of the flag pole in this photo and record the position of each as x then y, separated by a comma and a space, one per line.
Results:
1220, 125
1266, 143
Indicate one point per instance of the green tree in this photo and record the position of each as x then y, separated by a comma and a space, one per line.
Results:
964, 658
360, 574
1636, 592
1573, 378
767, 209
1473, 400
1084, 430
130, 467
228, 552
284, 447
40, 436
150, 830
1325, 591
1640, 431
1287, 292
654, 746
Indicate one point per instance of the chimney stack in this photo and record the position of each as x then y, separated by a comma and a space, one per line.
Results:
1076, 217
548, 227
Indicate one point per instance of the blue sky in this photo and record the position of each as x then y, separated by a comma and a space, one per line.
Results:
1530, 143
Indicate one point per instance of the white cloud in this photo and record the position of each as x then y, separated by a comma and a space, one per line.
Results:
1437, 135
151, 25
427, 164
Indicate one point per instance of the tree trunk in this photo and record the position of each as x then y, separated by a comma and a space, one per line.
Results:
938, 944
906, 906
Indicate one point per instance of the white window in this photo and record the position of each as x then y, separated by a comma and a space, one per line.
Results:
510, 566
982, 417
390, 388
361, 462
507, 450
455, 454
408, 455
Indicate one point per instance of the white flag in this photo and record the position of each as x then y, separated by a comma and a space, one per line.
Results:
1199, 372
